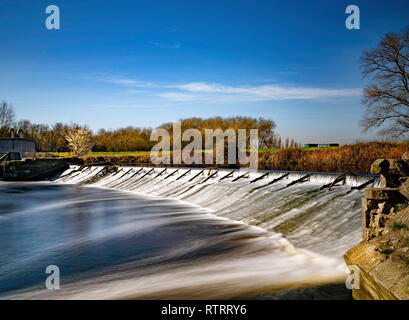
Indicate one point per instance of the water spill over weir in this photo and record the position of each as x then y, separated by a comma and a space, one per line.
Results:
296, 204
135, 232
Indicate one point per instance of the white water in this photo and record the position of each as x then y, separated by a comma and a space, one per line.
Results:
323, 221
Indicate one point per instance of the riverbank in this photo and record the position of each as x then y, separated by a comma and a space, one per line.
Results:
349, 158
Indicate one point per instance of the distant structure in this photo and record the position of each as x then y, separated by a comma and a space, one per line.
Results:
16, 148
318, 145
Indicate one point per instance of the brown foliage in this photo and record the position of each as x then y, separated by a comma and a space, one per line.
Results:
357, 157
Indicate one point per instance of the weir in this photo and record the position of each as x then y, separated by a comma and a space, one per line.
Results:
363, 185
197, 175
241, 176
210, 176
271, 182
259, 178
160, 173
300, 180
171, 174
230, 174
225, 238
294, 204
147, 173
184, 174
338, 179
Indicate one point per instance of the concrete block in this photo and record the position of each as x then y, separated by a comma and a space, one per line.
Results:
391, 180
391, 166
404, 188
382, 194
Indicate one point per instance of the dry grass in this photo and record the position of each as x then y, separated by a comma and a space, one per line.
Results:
356, 157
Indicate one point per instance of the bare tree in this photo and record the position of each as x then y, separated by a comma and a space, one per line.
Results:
79, 141
6, 117
287, 143
387, 97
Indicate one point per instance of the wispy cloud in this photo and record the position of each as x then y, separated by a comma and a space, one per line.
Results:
263, 92
216, 92
175, 45
180, 96
124, 81
171, 29
288, 72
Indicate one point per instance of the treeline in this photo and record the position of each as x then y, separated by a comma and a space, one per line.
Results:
53, 138
267, 137
124, 139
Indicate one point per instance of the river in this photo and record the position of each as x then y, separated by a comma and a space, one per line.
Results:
166, 234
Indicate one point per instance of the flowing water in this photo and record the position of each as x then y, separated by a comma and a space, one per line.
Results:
156, 233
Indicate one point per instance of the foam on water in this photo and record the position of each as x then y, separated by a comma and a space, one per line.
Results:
323, 221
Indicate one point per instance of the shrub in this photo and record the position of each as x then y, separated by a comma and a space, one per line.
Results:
79, 141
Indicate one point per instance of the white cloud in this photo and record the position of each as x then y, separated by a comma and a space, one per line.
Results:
177, 96
125, 81
264, 92
132, 83
175, 45
216, 92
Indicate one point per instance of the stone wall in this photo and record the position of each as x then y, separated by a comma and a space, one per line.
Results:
383, 255
380, 204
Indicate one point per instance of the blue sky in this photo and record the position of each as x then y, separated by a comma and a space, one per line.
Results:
142, 63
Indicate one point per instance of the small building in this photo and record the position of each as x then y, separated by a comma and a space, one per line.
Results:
318, 145
17, 147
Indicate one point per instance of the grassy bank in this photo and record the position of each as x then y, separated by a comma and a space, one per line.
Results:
138, 153
92, 154
357, 157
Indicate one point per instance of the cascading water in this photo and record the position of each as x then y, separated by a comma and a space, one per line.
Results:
180, 232
323, 221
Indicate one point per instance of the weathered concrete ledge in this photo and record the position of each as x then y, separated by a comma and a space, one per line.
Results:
383, 262
35, 169
383, 256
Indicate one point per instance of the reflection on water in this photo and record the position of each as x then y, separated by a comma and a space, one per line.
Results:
115, 244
